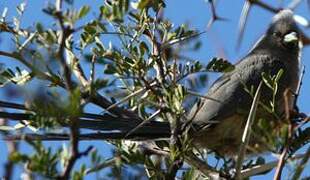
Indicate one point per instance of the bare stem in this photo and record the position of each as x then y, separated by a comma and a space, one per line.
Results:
247, 132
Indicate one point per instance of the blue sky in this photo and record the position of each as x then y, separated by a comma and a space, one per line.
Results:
221, 40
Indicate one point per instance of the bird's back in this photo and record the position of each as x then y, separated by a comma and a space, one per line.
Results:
219, 125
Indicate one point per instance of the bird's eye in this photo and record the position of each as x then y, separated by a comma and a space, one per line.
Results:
277, 34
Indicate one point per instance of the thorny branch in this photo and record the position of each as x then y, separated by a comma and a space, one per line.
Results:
214, 16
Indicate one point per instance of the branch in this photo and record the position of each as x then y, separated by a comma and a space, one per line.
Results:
214, 16
264, 167
299, 85
103, 165
202, 166
294, 4
92, 70
66, 69
264, 6
40, 74
12, 147
289, 137
242, 21
78, 71
130, 96
190, 159
74, 149
301, 166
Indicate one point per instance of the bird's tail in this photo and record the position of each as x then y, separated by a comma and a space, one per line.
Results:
99, 127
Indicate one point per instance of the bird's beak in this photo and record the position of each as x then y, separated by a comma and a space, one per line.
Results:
291, 39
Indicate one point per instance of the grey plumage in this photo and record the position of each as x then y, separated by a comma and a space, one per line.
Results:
270, 55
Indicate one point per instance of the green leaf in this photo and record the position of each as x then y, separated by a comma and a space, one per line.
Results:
220, 65
143, 3
279, 75
83, 11
143, 48
39, 27
267, 80
110, 69
20, 77
6, 128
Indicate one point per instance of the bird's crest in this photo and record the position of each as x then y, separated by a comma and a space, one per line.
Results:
284, 15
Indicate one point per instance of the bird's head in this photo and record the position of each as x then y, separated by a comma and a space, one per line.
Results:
283, 32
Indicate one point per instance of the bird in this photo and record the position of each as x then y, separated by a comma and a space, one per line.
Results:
217, 123
279, 49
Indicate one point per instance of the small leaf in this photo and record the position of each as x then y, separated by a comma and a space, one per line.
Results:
6, 128
110, 69
220, 65
21, 77
267, 80
279, 74
21, 8
83, 11
39, 27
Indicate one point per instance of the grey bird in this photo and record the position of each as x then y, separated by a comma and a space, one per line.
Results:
218, 126
279, 49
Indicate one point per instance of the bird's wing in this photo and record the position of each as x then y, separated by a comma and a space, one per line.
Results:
229, 89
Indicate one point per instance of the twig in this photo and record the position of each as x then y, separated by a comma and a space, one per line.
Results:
294, 4
280, 164
103, 165
156, 52
175, 146
299, 85
101, 101
242, 21
92, 69
181, 39
74, 122
203, 96
129, 96
247, 132
301, 166
74, 149
244, 15
142, 123
264, 167
285, 150
65, 33
58, 5
72, 160
27, 41
264, 6
12, 147
190, 159
214, 16
40, 74
78, 71
202, 166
